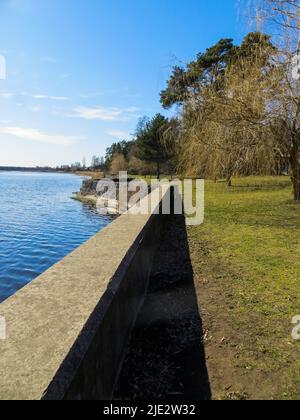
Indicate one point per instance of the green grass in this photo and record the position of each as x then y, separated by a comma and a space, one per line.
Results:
246, 260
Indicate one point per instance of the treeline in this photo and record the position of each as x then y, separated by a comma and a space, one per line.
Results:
238, 113
148, 153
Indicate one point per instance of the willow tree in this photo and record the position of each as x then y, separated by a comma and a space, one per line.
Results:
224, 109
282, 19
241, 108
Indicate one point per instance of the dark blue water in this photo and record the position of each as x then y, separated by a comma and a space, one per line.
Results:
39, 225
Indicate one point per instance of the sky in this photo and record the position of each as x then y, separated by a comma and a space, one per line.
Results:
80, 74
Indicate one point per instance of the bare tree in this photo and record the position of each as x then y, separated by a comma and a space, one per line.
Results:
282, 20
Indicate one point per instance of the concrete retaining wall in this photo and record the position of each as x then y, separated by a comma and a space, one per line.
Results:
67, 330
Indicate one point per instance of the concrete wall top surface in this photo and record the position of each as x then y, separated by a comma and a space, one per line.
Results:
44, 319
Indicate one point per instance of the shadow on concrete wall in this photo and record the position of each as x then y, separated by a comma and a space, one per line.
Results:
165, 358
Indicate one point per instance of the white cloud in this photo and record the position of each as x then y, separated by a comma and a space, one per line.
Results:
7, 95
103, 114
124, 93
52, 98
132, 109
10, 95
38, 136
91, 95
98, 113
119, 134
36, 108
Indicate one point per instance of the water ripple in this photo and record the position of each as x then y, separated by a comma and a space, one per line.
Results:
39, 225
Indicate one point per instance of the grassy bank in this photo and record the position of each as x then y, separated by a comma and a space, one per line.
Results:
246, 261
92, 174
85, 199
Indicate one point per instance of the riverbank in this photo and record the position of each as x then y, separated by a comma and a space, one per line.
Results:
88, 191
86, 199
95, 175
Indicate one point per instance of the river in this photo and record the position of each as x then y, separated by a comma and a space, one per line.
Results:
39, 225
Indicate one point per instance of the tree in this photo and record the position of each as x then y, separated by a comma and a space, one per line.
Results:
94, 162
172, 141
241, 108
206, 69
149, 145
118, 164
224, 116
122, 148
139, 167
282, 19
76, 166
98, 163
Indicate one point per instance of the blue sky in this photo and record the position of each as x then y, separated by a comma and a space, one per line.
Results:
81, 73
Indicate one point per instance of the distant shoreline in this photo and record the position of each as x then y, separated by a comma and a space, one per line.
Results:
25, 169
84, 173
49, 171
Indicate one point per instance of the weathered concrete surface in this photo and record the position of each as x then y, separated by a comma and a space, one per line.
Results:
67, 330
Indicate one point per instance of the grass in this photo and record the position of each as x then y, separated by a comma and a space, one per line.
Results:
85, 199
96, 175
246, 260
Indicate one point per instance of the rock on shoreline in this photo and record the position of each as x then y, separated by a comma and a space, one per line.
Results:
88, 192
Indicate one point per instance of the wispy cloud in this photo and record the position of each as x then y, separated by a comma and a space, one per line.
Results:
119, 134
7, 95
11, 95
36, 108
103, 114
120, 93
51, 98
91, 95
132, 110
33, 134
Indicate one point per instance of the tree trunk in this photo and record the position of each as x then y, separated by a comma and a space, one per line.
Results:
229, 181
158, 170
296, 180
295, 167
229, 172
